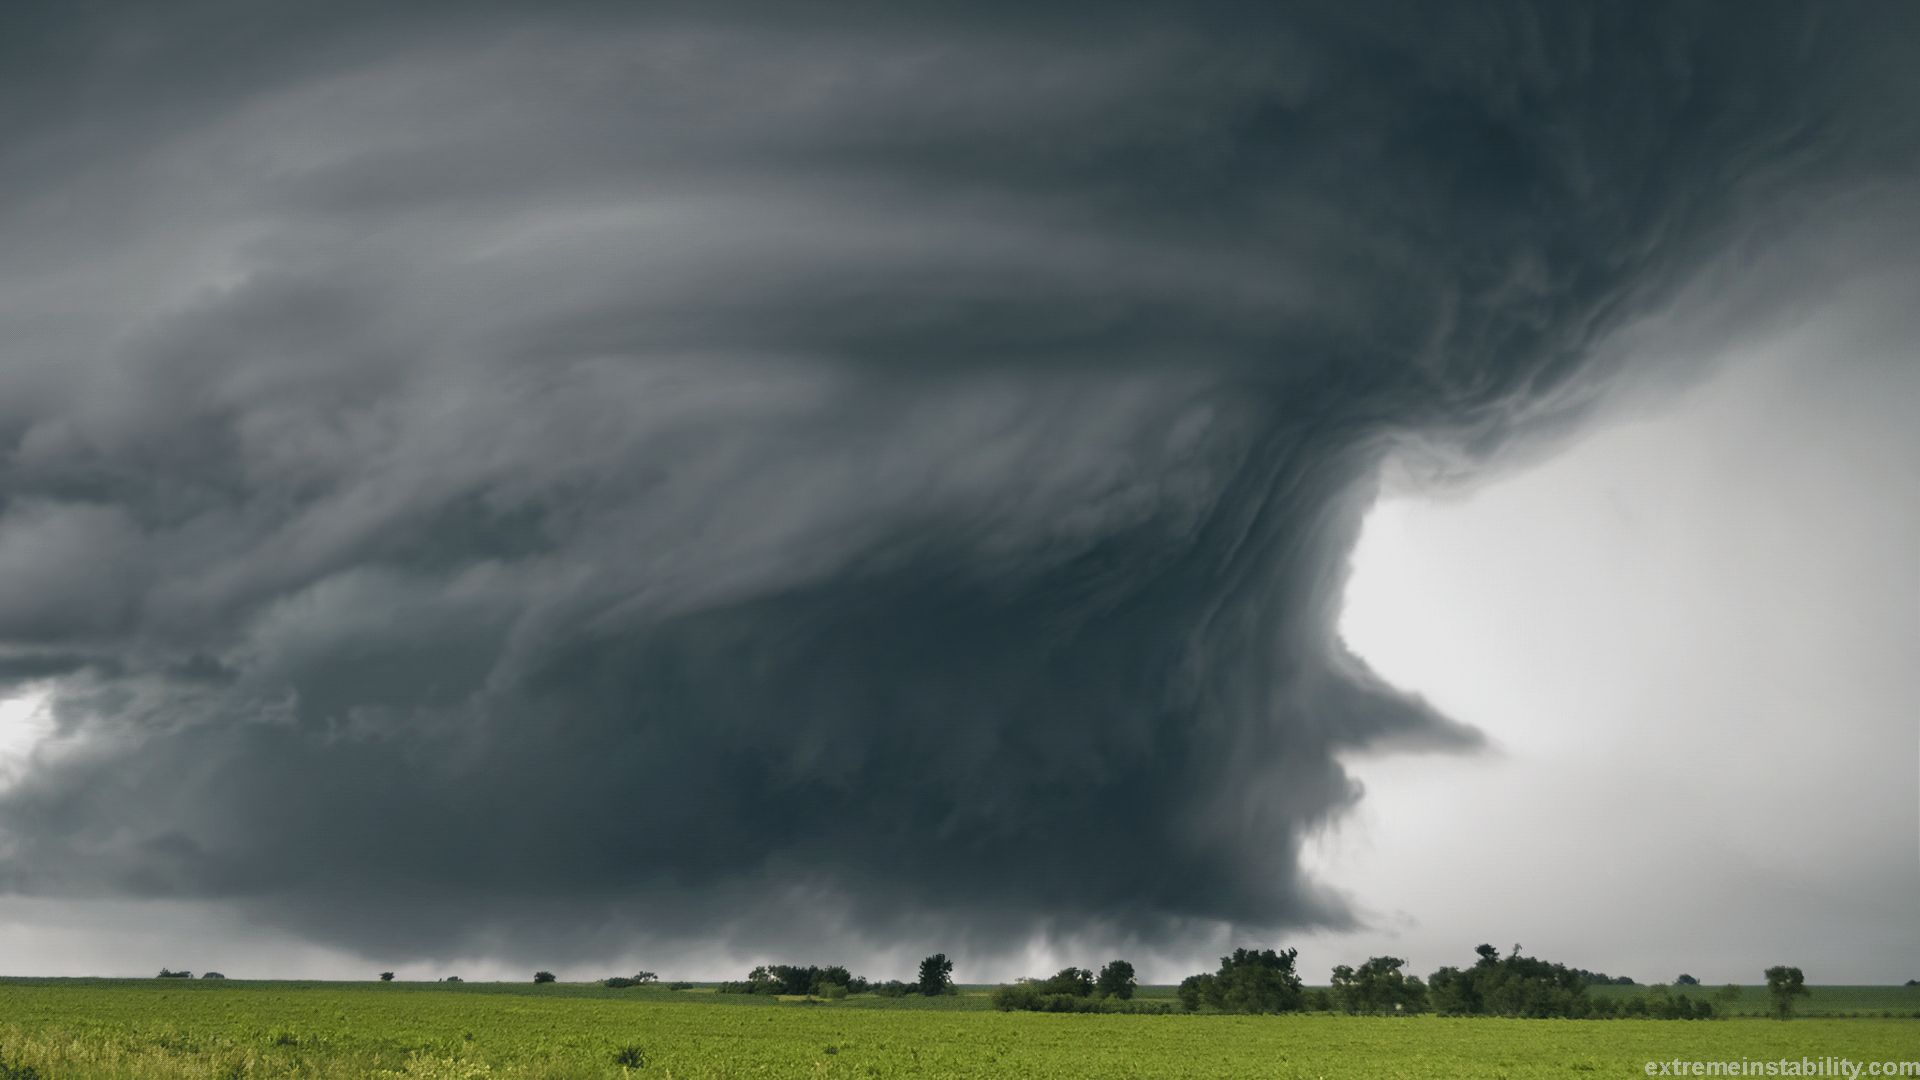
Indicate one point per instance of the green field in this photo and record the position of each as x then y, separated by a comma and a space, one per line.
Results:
66, 1028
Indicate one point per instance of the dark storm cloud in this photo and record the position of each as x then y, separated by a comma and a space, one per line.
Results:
502, 482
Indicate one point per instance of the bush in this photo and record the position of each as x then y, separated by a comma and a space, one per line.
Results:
212, 975
166, 973
893, 988
618, 982
630, 1057
386, 976
452, 978
677, 985
543, 977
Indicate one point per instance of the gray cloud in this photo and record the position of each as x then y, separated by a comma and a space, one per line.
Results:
507, 483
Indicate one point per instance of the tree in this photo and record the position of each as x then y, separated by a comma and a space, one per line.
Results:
645, 977
1197, 990
1783, 985
1379, 986
386, 976
1686, 980
936, 975
543, 976
1513, 985
1247, 982
1072, 981
1116, 980
166, 973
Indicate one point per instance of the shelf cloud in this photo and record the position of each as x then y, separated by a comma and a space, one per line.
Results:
483, 481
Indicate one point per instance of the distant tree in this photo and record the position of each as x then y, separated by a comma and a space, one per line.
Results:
1342, 991
1729, 993
1513, 985
543, 976
1379, 986
166, 973
1072, 981
1248, 981
618, 982
451, 978
936, 975
645, 977
1783, 985
1686, 980
831, 976
1197, 990
1116, 980
386, 976
211, 975
1913, 982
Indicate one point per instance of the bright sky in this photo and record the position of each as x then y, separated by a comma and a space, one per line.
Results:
1692, 638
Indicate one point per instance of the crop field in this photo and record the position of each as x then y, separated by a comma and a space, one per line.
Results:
79, 1028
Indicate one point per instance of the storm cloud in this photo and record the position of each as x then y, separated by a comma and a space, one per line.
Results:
485, 480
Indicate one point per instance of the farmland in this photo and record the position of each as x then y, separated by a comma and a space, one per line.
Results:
80, 1028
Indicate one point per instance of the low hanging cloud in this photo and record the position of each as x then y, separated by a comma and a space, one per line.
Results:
475, 481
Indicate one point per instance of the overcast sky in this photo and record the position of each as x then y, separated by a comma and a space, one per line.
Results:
688, 485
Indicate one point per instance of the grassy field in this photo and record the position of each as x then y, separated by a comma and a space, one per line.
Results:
82, 1028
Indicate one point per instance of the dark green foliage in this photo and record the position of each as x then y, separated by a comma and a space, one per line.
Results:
1686, 980
1247, 982
1072, 981
630, 1057
1913, 982
618, 982
452, 979
166, 973
386, 976
211, 975
645, 977
1783, 985
1030, 995
936, 975
799, 980
1514, 985
18, 1072
678, 985
1195, 991
1656, 1004
894, 988
1378, 987
1317, 1001
1116, 980
543, 977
